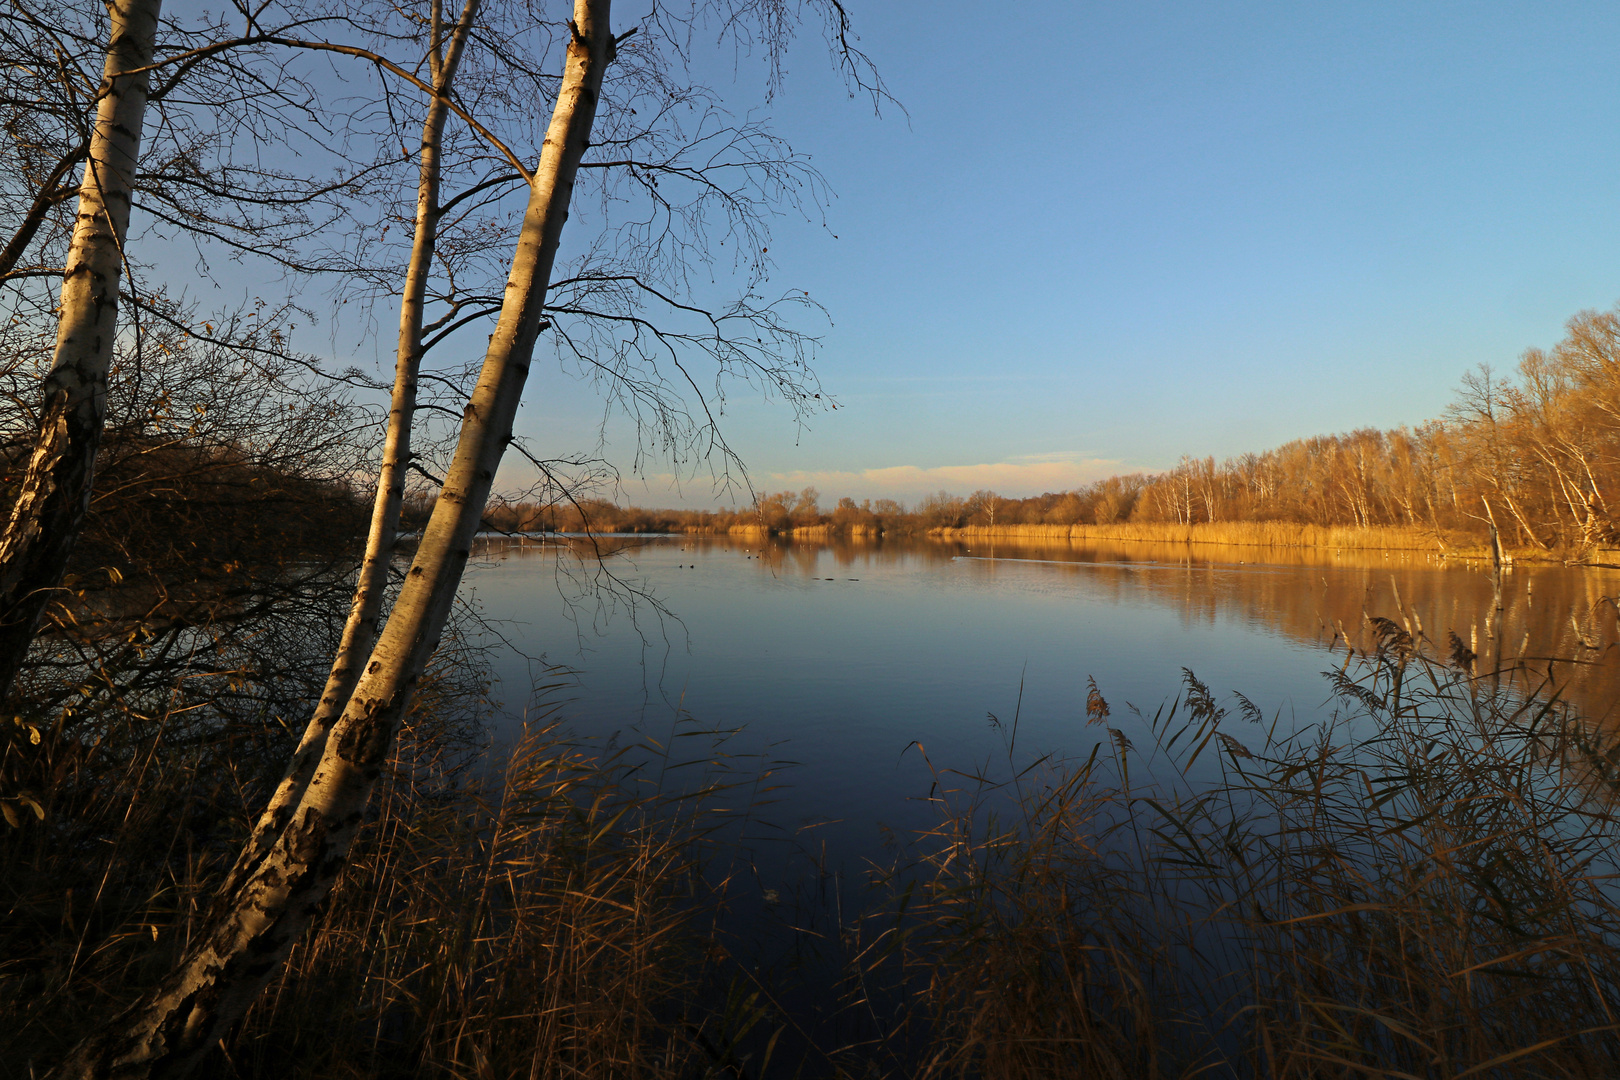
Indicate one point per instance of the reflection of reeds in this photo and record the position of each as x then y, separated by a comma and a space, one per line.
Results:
1423, 885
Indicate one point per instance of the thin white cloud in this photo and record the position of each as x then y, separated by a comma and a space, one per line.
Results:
1020, 476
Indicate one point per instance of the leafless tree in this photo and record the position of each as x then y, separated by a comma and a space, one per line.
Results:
664, 192
55, 490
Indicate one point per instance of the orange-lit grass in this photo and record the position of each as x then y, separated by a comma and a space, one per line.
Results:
1234, 533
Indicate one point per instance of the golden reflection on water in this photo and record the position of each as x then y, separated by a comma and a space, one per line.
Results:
1519, 622
1522, 622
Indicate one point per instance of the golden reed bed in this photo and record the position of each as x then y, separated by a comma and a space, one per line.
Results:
1238, 533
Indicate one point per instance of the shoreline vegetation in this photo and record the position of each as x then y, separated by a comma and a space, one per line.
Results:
1262, 535
1256, 534
1517, 468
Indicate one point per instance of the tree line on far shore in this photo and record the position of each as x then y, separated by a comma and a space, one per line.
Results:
1534, 456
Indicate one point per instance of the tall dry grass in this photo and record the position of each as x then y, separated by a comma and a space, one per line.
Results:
1233, 533
1423, 884
551, 925
548, 918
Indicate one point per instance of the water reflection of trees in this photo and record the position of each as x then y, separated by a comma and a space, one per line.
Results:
1530, 617
1517, 623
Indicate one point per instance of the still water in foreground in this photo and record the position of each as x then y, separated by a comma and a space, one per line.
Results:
863, 663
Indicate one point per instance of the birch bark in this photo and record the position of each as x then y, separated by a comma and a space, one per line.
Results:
56, 484
360, 630
254, 924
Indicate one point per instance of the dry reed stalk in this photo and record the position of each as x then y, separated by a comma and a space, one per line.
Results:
1423, 885
546, 919
550, 925
1235, 533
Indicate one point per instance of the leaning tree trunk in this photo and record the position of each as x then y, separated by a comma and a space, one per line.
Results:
360, 630
55, 490
253, 925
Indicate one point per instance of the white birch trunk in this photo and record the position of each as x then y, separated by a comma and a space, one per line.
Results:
360, 630
55, 493
254, 925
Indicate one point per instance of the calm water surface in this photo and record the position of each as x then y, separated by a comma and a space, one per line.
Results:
840, 657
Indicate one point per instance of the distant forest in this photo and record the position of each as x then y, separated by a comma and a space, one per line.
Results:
1535, 455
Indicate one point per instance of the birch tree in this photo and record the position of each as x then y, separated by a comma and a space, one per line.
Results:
328, 222
56, 483
293, 862
446, 44
175, 130
257, 921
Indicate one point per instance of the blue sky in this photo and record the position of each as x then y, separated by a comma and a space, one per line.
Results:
1111, 234
1108, 235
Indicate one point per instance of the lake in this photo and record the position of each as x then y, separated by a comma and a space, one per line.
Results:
862, 663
